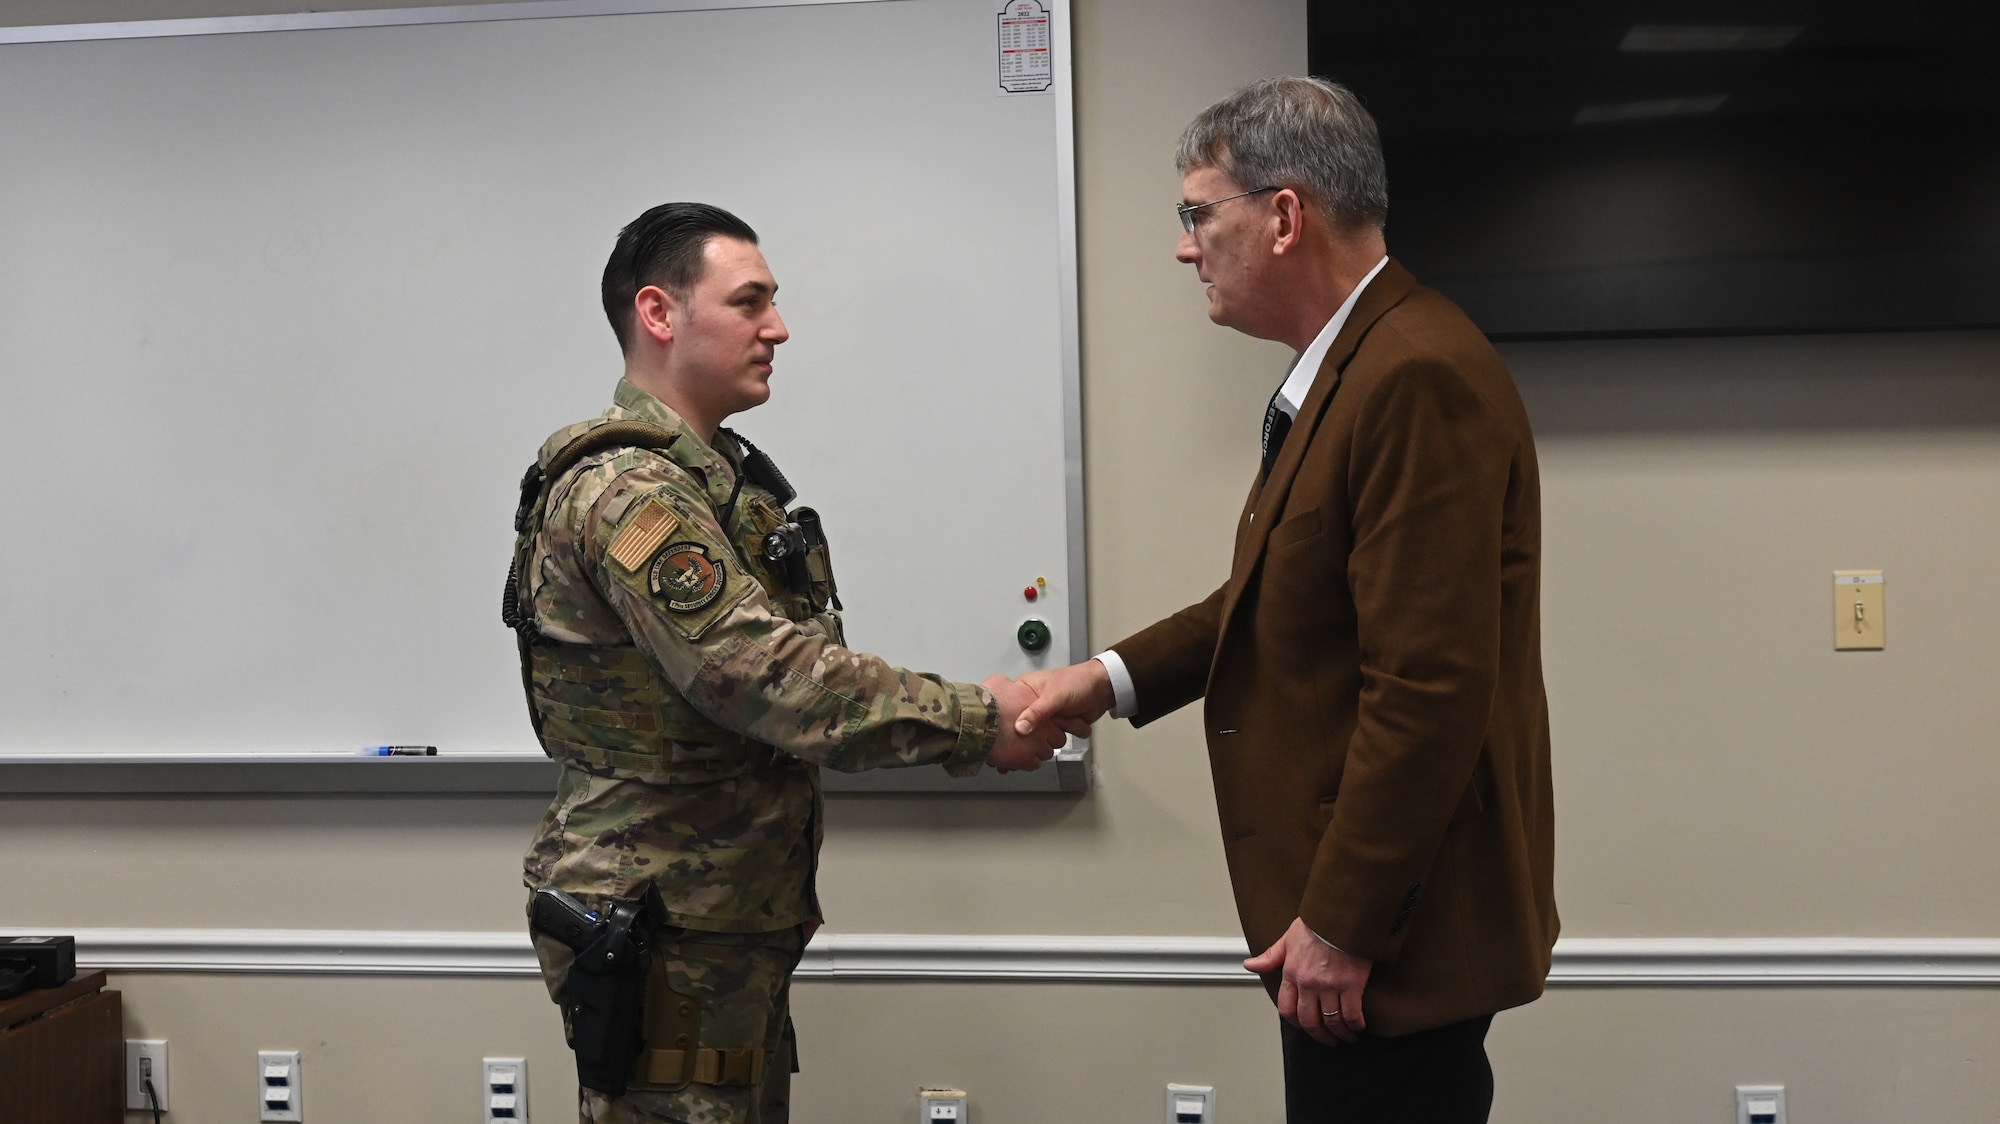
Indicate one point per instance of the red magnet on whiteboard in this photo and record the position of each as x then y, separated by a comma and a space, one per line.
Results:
1031, 593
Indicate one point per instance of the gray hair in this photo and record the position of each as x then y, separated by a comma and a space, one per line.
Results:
1308, 134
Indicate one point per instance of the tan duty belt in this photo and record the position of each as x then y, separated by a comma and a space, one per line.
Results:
711, 1067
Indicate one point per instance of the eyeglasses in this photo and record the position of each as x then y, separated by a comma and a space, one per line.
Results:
1187, 210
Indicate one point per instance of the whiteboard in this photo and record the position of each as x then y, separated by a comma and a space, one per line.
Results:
288, 303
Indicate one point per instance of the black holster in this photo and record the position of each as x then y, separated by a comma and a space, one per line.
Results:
604, 994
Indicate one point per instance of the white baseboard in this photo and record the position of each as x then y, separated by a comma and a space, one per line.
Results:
1583, 961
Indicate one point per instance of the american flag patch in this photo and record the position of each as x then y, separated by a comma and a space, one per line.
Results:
643, 535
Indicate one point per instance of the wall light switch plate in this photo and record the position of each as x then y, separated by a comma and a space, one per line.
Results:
1860, 612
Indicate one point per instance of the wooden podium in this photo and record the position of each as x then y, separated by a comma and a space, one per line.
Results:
62, 1056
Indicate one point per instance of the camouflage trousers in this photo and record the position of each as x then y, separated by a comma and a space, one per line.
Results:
742, 982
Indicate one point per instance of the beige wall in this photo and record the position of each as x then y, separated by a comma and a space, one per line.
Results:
1720, 771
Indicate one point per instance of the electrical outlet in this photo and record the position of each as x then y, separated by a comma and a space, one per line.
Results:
1760, 1104
505, 1092
1191, 1104
278, 1085
145, 1058
941, 1106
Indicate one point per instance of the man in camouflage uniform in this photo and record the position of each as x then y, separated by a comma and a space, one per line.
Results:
692, 685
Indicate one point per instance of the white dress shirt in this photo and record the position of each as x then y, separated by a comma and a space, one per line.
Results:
1291, 395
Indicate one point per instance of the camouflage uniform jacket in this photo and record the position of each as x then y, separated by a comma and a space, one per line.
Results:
692, 696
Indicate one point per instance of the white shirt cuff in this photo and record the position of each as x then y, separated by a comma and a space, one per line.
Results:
1125, 697
1323, 940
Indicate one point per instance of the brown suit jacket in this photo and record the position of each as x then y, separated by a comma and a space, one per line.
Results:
1376, 722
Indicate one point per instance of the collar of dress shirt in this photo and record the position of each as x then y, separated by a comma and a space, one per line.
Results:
1299, 380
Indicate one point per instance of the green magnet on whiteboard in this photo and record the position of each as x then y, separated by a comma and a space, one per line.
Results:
1033, 635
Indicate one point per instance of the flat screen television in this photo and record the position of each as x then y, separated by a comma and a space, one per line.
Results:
1683, 168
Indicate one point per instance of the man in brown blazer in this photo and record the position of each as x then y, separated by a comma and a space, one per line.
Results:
1376, 721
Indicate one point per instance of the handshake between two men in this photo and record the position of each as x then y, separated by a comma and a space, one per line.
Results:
1319, 987
1041, 709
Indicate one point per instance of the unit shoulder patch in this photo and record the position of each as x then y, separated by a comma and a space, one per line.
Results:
643, 534
687, 577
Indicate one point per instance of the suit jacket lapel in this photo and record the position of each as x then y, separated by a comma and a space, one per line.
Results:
1267, 496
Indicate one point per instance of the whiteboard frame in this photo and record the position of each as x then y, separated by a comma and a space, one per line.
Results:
1073, 769
387, 17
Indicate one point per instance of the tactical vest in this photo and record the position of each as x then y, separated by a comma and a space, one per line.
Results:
610, 706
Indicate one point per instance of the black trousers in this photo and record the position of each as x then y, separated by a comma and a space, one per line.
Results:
1436, 1076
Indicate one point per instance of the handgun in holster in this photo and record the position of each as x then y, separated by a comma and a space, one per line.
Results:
604, 994
630, 1027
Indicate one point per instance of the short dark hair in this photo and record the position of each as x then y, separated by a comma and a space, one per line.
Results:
663, 247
